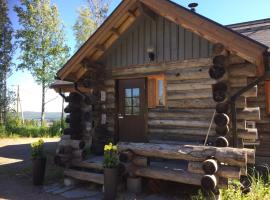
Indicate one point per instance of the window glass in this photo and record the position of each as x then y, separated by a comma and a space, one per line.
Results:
160, 92
132, 101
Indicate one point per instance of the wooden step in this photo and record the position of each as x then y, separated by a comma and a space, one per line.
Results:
95, 162
85, 176
248, 134
252, 114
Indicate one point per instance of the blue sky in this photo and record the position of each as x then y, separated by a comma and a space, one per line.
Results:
222, 11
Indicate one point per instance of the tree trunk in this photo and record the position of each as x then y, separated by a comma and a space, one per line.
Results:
5, 103
43, 104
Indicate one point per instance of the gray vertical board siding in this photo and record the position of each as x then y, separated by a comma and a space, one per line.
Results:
171, 42
188, 44
147, 43
160, 38
204, 51
154, 36
141, 42
167, 40
195, 46
181, 43
130, 49
135, 46
124, 52
174, 41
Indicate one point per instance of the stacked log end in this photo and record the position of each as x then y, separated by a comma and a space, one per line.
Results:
76, 138
240, 71
218, 71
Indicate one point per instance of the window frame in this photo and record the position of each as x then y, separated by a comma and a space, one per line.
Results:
155, 93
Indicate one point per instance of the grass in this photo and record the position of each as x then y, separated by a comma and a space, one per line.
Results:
259, 191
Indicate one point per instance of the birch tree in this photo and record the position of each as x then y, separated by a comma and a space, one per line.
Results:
90, 17
41, 41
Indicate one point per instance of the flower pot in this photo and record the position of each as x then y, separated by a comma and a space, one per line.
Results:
39, 165
110, 183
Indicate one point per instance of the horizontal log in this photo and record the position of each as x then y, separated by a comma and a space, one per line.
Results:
252, 114
192, 103
232, 156
181, 122
159, 67
253, 92
75, 144
89, 165
238, 81
243, 69
224, 171
248, 134
85, 176
203, 93
234, 59
190, 85
188, 74
179, 176
181, 113
180, 132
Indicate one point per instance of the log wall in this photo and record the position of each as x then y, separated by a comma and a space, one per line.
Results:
263, 125
189, 104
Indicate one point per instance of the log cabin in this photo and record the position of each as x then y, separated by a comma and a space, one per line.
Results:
165, 82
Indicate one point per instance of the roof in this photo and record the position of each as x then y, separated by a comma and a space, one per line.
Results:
127, 13
258, 30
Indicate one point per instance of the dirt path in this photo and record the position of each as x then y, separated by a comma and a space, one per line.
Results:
15, 169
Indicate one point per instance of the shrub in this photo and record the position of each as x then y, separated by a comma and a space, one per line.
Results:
37, 149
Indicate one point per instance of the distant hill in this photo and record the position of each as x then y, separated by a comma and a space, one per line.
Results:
36, 115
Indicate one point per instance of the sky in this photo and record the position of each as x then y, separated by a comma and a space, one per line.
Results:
222, 11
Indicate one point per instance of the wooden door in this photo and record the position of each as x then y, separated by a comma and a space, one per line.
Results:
132, 110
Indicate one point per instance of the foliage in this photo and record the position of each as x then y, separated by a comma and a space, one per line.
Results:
259, 191
41, 41
90, 17
30, 128
37, 149
111, 159
6, 52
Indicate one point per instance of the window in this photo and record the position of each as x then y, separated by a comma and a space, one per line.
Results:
132, 101
156, 91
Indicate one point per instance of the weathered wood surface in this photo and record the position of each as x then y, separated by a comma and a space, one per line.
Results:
92, 163
232, 156
223, 170
243, 69
179, 176
85, 176
157, 68
248, 134
252, 114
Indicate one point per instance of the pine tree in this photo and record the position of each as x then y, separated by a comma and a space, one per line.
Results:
41, 41
90, 17
6, 51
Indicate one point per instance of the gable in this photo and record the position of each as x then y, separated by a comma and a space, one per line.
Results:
129, 10
170, 41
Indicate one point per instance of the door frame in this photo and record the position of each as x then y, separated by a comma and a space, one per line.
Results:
145, 107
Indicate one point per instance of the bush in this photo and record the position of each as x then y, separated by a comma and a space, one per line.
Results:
30, 128
259, 191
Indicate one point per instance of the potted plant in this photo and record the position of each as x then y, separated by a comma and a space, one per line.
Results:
39, 162
111, 163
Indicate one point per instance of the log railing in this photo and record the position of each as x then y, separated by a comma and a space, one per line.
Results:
209, 167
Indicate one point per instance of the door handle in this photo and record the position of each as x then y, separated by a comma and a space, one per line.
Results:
120, 116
